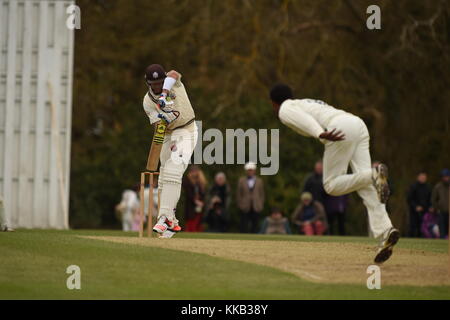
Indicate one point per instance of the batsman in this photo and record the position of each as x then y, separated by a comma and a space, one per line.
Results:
168, 107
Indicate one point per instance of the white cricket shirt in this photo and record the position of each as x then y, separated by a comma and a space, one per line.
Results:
307, 117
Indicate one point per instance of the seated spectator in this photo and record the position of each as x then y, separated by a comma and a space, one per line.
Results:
310, 216
430, 225
275, 223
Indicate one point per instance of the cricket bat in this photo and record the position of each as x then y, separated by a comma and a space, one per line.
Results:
155, 149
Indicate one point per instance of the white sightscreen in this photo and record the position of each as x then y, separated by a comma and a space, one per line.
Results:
36, 62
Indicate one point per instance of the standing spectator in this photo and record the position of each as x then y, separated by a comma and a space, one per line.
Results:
276, 223
314, 183
335, 208
3, 226
310, 216
216, 216
439, 200
128, 209
219, 201
194, 185
250, 199
419, 203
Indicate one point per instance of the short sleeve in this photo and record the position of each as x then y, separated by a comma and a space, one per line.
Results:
292, 115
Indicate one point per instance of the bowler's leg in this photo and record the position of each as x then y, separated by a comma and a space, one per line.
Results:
378, 217
336, 159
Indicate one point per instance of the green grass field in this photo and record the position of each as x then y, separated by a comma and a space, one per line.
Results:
33, 266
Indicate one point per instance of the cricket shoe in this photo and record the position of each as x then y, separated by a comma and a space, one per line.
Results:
387, 245
161, 226
173, 226
380, 181
165, 224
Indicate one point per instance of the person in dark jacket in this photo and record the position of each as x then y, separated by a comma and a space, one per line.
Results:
219, 198
439, 199
314, 183
419, 203
335, 208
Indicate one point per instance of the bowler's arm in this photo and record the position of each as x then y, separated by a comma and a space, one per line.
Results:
303, 123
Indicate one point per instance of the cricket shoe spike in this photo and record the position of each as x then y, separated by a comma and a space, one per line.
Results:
166, 235
380, 182
387, 245
161, 226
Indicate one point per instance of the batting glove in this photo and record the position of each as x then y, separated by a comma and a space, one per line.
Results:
169, 115
164, 101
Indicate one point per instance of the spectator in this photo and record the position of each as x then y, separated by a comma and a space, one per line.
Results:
439, 200
419, 203
310, 216
216, 219
250, 199
3, 225
314, 183
194, 185
430, 225
220, 198
128, 209
335, 208
276, 223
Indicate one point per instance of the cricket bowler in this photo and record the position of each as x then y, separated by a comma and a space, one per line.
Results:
346, 141
167, 102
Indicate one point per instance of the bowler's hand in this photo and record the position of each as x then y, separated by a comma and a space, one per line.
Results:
332, 135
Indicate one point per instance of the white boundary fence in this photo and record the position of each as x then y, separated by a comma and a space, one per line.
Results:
36, 66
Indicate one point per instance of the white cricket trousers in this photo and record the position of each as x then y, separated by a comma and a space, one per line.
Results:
176, 152
353, 151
